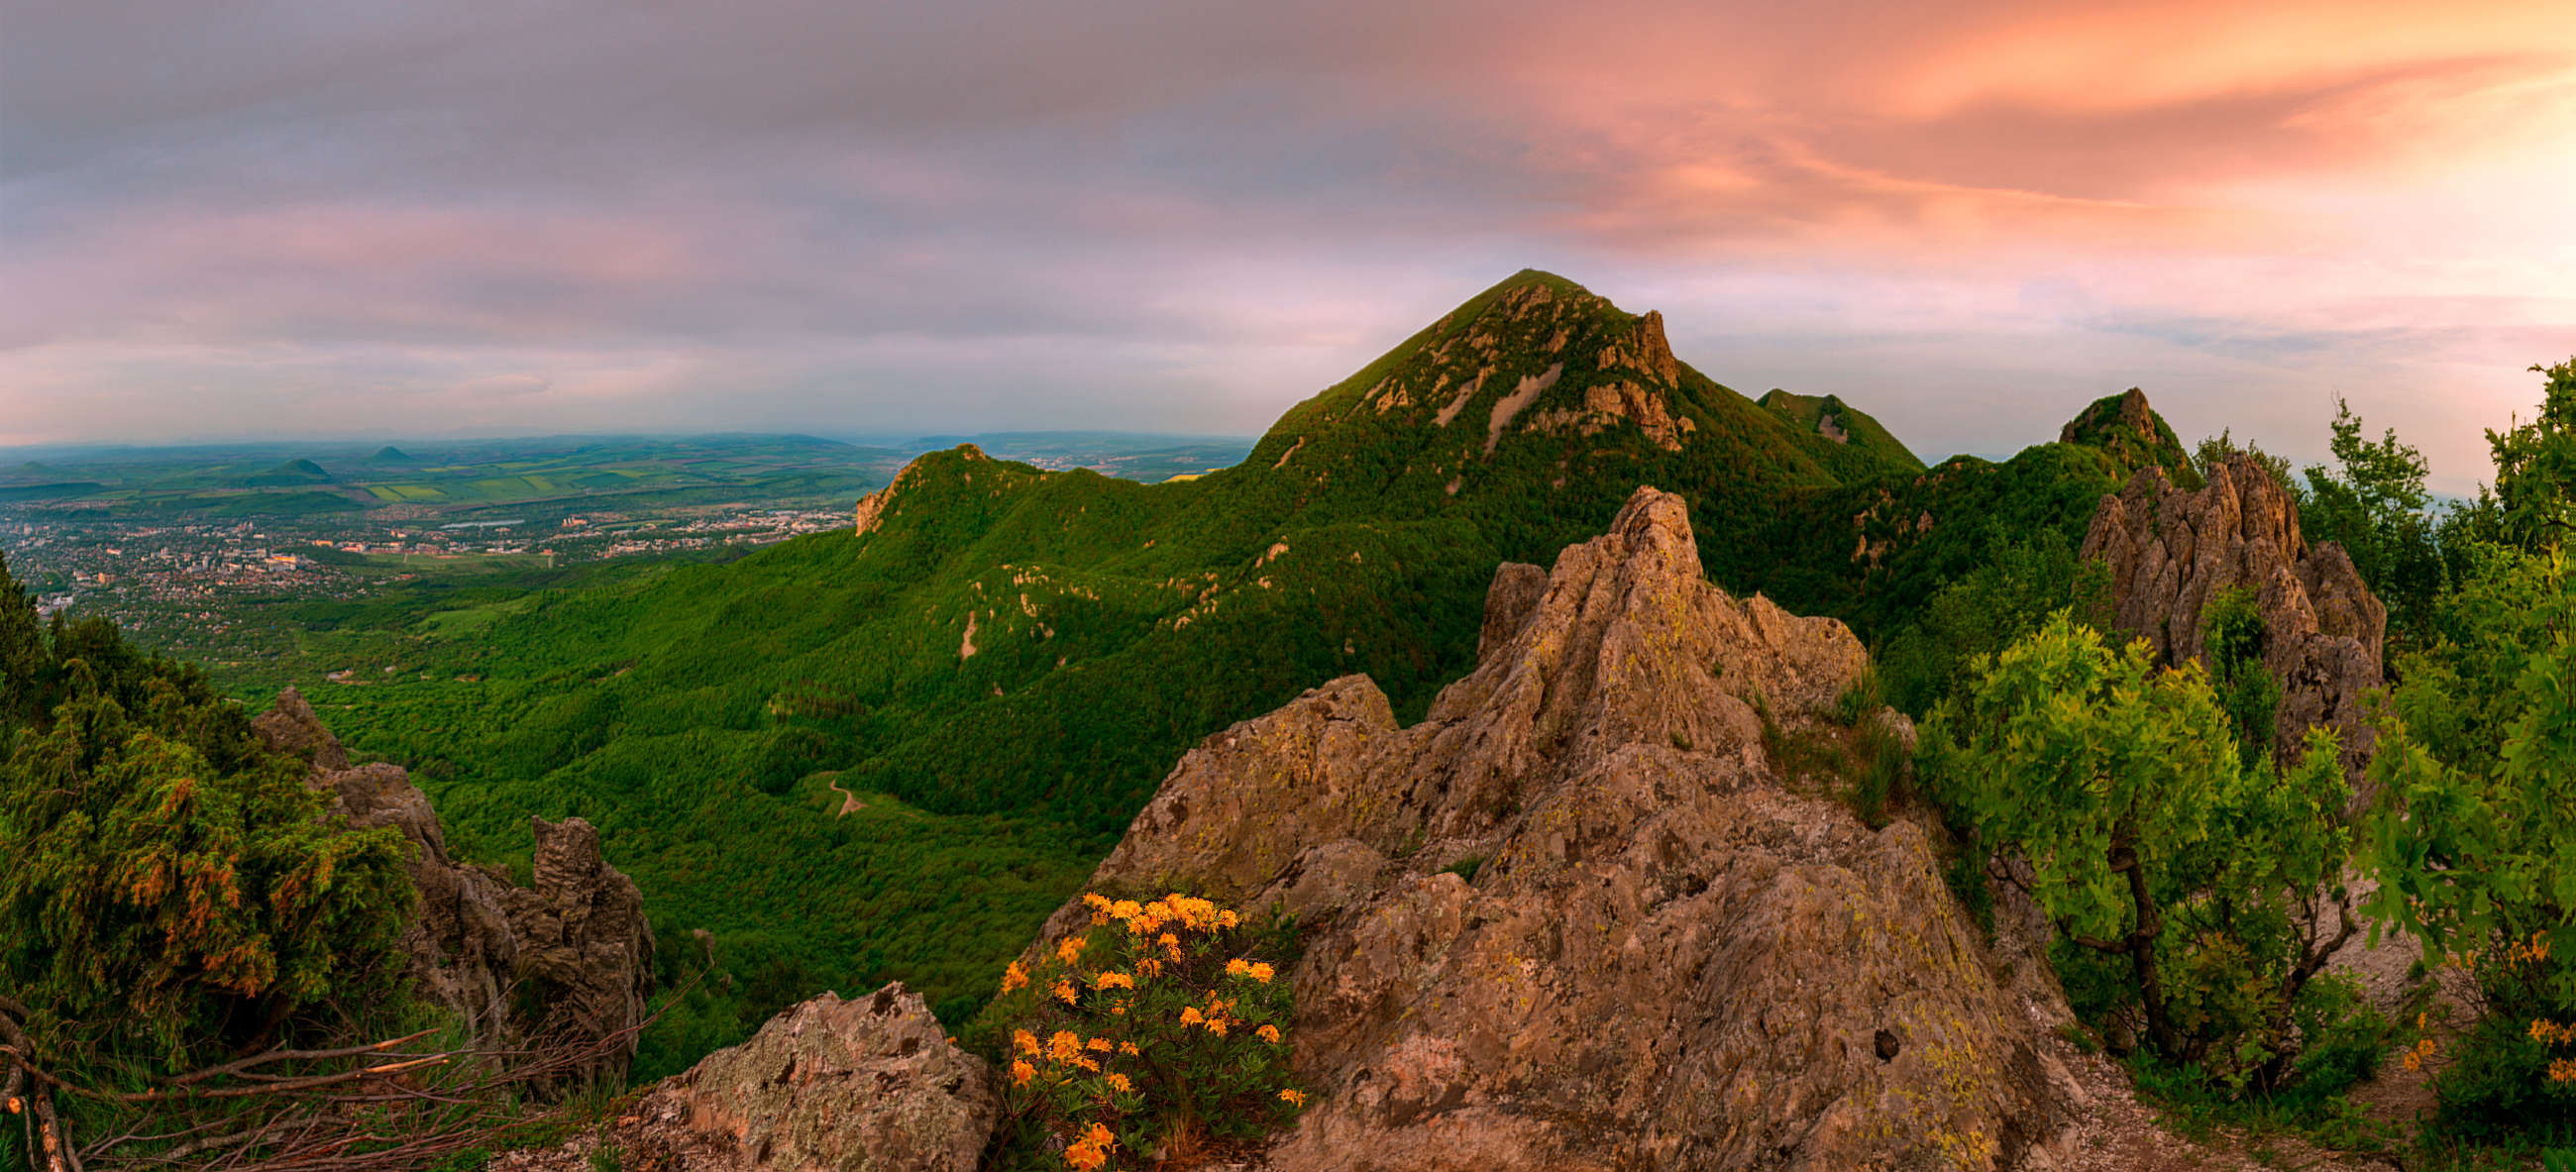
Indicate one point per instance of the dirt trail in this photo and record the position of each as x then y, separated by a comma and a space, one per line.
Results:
849, 801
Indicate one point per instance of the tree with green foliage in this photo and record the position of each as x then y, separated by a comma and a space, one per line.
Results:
2150, 842
2535, 488
2374, 505
2475, 848
2476, 855
170, 892
2012, 589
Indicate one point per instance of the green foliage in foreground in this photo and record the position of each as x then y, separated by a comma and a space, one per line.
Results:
2186, 881
1160, 1029
2476, 767
168, 889
2477, 748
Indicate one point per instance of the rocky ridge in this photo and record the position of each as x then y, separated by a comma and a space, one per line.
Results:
2170, 551
1664, 959
578, 936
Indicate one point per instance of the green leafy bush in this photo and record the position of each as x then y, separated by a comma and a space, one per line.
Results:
167, 888
1161, 1028
2201, 888
2232, 640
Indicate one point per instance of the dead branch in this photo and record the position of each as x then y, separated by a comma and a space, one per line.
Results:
266, 1057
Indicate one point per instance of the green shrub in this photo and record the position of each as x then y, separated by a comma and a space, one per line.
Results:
2201, 887
1160, 1028
152, 902
2232, 638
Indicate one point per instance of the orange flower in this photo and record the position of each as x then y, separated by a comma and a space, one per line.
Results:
1113, 980
1100, 1044
1216, 1025
1070, 950
1118, 1082
1065, 1046
1263, 972
1024, 1041
1066, 993
1227, 920
1190, 1015
1267, 1033
1091, 1151
1238, 967
1128, 1048
1022, 1072
1293, 1097
1013, 977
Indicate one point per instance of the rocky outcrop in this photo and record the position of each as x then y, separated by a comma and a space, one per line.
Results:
583, 943
577, 939
871, 1085
290, 727
2129, 431
1663, 959
2170, 551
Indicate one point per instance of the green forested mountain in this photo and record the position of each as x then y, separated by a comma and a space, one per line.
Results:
992, 672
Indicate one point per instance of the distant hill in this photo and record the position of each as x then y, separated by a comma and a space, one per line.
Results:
1014, 656
389, 454
292, 472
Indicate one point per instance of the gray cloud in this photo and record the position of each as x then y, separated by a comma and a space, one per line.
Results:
298, 217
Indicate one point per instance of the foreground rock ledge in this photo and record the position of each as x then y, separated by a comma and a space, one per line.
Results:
1664, 958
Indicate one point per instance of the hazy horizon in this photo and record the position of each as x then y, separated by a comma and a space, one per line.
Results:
290, 219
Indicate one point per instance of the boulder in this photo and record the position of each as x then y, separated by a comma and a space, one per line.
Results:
871, 1085
1664, 960
2169, 551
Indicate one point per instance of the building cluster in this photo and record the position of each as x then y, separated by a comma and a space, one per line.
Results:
195, 575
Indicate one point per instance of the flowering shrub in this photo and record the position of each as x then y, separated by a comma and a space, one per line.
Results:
1154, 1029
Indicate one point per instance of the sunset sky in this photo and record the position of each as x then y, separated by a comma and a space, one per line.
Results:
351, 218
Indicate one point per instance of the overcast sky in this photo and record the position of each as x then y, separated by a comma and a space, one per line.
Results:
357, 218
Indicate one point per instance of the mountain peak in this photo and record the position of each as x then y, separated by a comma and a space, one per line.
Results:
2129, 430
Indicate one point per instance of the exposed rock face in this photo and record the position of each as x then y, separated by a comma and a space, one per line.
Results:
580, 933
1665, 960
870, 1085
291, 727
2169, 551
